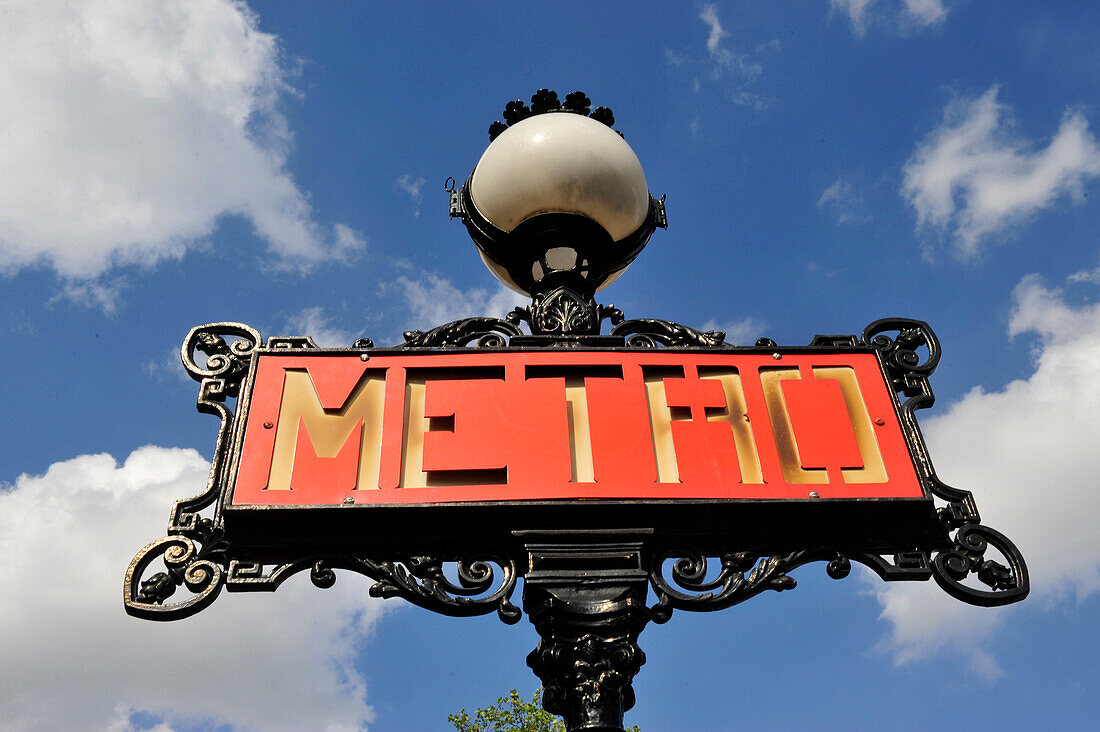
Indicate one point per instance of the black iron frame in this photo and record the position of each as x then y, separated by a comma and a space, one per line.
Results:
588, 575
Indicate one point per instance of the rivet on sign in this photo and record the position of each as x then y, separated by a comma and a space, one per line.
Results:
777, 356
815, 494
349, 500
363, 357
268, 425
880, 421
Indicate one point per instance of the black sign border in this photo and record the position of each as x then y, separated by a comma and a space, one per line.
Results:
887, 525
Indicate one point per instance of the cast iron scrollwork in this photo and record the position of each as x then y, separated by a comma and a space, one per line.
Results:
561, 311
290, 343
486, 332
199, 568
421, 581
967, 558
194, 551
903, 566
651, 332
226, 362
907, 373
485, 580
485, 584
741, 576
222, 376
564, 311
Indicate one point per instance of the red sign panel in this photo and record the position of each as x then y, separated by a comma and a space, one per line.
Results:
327, 429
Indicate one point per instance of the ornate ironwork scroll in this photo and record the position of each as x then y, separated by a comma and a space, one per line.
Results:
964, 558
486, 580
563, 312
741, 576
651, 332
486, 332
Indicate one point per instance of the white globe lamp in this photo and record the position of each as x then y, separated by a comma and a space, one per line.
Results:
558, 199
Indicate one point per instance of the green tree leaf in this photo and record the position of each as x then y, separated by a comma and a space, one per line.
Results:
512, 713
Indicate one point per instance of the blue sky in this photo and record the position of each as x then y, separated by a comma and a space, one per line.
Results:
169, 163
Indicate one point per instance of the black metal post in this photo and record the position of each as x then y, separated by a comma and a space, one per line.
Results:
585, 592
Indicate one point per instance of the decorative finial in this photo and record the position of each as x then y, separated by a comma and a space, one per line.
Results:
544, 101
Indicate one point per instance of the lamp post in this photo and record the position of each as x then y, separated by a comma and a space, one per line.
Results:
558, 207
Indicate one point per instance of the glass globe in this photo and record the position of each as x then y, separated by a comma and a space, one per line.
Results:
561, 163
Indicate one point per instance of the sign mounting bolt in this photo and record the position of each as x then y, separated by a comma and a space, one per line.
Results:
349, 500
815, 494
777, 356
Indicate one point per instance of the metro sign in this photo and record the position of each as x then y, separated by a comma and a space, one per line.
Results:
333, 428
588, 462
653, 461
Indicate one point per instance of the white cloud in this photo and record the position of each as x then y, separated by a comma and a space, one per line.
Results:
128, 129
71, 659
434, 300
743, 332
926, 12
709, 15
1085, 275
346, 242
919, 13
973, 176
102, 294
855, 10
925, 623
731, 70
843, 202
1028, 451
721, 57
412, 186
314, 323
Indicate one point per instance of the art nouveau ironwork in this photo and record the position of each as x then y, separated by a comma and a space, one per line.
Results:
591, 586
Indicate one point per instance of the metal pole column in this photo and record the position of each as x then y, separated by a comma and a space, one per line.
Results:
585, 593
